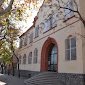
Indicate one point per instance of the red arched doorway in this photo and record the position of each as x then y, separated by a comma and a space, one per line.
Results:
49, 55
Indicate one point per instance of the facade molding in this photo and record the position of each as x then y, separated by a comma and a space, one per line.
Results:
47, 35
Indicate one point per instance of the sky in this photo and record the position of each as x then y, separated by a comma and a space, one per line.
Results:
29, 15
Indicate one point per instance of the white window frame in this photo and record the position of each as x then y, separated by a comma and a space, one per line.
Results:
25, 40
54, 21
30, 58
70, 49
31, 38
20, 59
37, 31
48, 23
21, 43
24, 59
35, 60
69, 13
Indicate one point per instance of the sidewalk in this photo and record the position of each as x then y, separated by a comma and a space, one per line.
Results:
11, 80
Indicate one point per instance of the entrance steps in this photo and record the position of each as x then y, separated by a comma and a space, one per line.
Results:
44, 78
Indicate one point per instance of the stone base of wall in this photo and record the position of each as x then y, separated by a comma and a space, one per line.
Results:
27, 74
71, 78
66, 78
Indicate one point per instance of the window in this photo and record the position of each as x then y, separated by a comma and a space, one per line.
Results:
30, 58
52, 58
55, 18
70, 45
42, 25
21, 42
25, 40
31, 38
20, 59
69, 13
48, 23
36, 31
24, 59
35, 55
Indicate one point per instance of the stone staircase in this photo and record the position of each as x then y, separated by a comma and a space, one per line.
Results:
45, 78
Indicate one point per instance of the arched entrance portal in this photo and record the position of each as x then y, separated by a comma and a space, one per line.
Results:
49, 56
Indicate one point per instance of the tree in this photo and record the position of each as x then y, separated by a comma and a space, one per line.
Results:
6, 37
15, 11
66, 5
13, 35
8, 33
7, 9
5, 54
60, 4
7, 42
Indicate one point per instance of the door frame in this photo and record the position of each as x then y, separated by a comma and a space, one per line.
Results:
45, 53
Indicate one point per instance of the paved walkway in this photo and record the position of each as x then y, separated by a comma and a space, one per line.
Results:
10, 80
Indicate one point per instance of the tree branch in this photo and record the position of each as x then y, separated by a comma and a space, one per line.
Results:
16, 56
7, 9
68, 9
80, 17
1, 2
76, 4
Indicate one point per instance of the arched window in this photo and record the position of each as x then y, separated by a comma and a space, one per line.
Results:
24, 59
70, 48
48, 23
31, 38
20, 59
30, 58
21, 43
25, 40
36, 31
35, 55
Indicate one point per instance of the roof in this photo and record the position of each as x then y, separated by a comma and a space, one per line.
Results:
35, 19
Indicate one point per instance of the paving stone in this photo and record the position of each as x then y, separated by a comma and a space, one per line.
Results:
11, 80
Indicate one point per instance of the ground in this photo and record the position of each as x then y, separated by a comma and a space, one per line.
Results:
10, 80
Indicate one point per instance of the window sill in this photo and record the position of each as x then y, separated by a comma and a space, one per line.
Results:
30, 42
69, 18
36, 37
35, 63
48, 30
25, 45
70, 60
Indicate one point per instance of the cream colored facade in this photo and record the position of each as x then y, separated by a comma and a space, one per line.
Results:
61, 32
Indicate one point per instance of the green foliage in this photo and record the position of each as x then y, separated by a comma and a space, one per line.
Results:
7, 44
14, 12
5, 52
